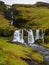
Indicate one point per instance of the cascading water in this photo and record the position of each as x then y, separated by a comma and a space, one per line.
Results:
30, 37
21, 36
37, 35
11, 18
11, 22
18, 36
42, 37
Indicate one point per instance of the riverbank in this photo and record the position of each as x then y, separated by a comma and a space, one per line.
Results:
12, 54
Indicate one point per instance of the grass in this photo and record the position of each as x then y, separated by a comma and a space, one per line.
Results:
46, 45
10, 54
38, 16
4, 23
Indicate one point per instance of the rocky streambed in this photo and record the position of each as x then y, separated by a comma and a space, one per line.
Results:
43, 51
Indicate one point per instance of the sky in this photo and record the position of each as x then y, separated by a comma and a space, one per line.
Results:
23, 1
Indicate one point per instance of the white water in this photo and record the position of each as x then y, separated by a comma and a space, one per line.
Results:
18, 36
12, 18
37, 35
21, 37
42, 37
30, 37
11, 22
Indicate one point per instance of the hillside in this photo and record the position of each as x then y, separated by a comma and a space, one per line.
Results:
24, 16
27, 16
13, 54
37, 17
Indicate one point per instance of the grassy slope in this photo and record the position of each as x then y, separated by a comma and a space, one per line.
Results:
46, 45
4, 23
10, 54
37, 15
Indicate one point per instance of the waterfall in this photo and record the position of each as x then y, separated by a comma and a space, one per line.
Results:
11, 18
11, 22
21, 36
18, 36
37, 35
42, 37
30, 37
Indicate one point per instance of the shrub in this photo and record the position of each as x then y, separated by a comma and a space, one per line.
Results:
46, 39
20, 22
6, 32
1, 30
2, 6
38, 41
47, 32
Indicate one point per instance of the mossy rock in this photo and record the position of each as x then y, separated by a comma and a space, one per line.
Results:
39, 41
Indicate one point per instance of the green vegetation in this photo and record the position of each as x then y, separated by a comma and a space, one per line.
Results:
46, 39
28, 16
38, 17
2, 7
5, 28
25, 16
46, 45
10, 54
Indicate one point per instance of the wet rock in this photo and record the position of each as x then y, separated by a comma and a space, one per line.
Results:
46, 53
46, 60
30, 61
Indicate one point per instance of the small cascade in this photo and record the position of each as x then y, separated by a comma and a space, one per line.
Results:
37, 35
42, 36
18, 36
30, 37
21, 36
11, 18
11, 22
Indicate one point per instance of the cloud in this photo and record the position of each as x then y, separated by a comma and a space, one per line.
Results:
23, 1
